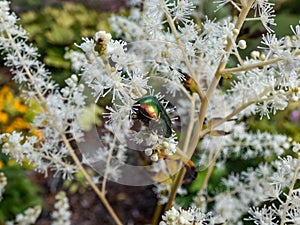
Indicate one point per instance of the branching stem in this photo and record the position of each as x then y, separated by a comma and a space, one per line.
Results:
193, 141
291, 189
181, 46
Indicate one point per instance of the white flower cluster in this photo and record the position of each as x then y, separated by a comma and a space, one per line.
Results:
264, 11
166, 36
28, 217
60, 109
286, 175
125, 77
40, 157
173, 44
253, 187
244, 144
62, 214
169, 147
192, 216
272, 86
107, 159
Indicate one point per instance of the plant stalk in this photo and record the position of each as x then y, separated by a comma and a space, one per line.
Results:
205, 100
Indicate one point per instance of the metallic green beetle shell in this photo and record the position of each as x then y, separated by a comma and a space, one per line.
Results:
150, 111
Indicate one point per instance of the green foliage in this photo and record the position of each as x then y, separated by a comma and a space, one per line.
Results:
20, 193
52, 29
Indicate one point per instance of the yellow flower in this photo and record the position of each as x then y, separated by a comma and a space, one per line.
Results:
6, 93
3, 117
1, 102
19, 106
5, 89
18, 124
1, 164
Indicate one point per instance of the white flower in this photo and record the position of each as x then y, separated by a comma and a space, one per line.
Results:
28, 217
266, 13
62, 213
78, 60
88, 46
182, 10
264, 216
190, 216
221, 3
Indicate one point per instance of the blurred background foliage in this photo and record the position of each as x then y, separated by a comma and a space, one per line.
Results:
20, 192
54, 27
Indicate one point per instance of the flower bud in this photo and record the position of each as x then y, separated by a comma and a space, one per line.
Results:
242, 44
262, 57
74, 78
255, 54
235, 31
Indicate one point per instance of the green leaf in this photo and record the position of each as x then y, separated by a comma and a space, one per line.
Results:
20, 193
55, 58
284, 20
60, 35
198, 182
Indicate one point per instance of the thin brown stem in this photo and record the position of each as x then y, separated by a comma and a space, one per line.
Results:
243, 14
190, 126
205, 99
175, 186
110, 152
181, 172
209, 172
291, 189
88, 178
233, 113
255, 65
186, 59
157, 213
250, 66
228, 117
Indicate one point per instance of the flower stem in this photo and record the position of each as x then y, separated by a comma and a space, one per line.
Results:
88, 178
250, 66
291, 189
193, 139
239, 23
181, 46
208, 173
110, 152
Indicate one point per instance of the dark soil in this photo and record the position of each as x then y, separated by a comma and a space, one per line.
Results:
133, 205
